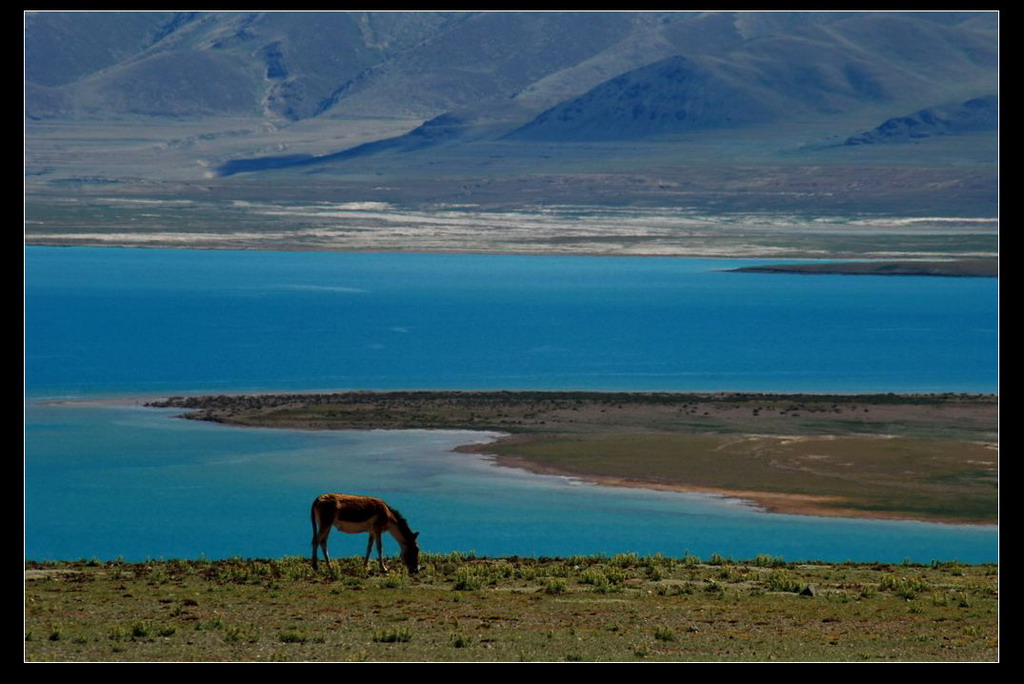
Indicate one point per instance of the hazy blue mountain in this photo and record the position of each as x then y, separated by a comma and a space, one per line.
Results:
789, 69
296, 65
64, 47
672, 95
978, 114
497, 106
583, 67
278, 64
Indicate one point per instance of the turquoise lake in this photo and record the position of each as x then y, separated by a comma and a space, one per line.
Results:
109, 479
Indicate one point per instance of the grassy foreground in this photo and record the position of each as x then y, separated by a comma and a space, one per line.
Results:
462, 608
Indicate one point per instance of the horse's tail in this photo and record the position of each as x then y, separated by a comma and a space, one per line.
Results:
313, 519
312, 515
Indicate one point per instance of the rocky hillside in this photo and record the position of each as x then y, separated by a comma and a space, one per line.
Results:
588, 73
464, 106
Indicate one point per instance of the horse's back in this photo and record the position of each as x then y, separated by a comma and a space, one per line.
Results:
339, 499
335, 507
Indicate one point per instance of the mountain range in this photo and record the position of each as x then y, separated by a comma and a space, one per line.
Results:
743, 87
294, 66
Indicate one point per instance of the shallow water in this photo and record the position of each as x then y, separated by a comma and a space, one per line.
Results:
110, 481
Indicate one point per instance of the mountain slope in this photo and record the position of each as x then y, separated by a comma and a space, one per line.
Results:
672, 95
283, 65
292, 66
721, 109
978, 114
808, 71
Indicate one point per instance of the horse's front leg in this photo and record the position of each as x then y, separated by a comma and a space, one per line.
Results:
380, 554
369, 549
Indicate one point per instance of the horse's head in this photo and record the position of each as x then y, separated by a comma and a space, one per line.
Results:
411, 554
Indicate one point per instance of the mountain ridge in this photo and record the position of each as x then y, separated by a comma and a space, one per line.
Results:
291, 66
728, 109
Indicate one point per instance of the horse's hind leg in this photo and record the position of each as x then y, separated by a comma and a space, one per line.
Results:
323, 546
316, 540
320, 539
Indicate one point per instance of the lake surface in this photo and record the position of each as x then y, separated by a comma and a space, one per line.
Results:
106, 481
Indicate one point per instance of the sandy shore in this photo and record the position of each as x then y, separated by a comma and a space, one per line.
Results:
771, 502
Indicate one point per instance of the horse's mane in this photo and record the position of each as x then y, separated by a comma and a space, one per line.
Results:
403, 524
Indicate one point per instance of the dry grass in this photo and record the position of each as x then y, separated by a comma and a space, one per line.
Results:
586, 608
838, 476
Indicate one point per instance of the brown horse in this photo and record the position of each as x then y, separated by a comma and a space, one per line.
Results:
353, 513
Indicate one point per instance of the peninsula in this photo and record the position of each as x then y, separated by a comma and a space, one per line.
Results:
930, 457
954, 268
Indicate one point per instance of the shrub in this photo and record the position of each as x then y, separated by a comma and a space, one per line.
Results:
393, 581
690, 560
393, 637
664, 634
764, 560
467, 580
904, 587
595, 578
625, 560
555, 586
779, 580
460, 641
141, 629
293, 636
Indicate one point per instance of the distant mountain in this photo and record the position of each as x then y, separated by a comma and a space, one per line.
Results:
282, 65
978, 114
727, 108
672, 95
785, 70
581, 72
297, 65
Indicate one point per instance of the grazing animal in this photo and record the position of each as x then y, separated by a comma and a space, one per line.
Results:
354, 513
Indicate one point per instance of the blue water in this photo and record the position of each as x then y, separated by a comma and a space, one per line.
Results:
107, 481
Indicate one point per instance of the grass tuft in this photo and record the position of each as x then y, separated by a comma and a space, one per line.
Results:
293, 636
395, 636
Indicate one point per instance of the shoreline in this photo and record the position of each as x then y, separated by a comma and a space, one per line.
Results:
810, 457
952, 268
921, 264
769, 502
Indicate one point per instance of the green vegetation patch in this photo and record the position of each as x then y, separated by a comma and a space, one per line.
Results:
583, 608
920, 478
